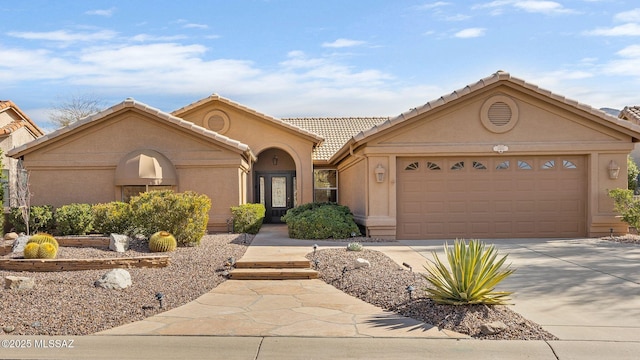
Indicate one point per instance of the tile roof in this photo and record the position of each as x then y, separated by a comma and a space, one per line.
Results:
499, 76
631, 113
131, 103
215, 97
15, 125
335, 130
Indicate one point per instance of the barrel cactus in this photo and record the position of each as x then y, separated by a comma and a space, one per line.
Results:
354, 246
47, 251
31, 250
162, 241
42, 238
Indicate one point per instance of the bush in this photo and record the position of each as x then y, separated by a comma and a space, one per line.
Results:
247, 218
627, 206
40, 219
112, 218
632, 173
473, 276
320, 221
74, 219
185, 215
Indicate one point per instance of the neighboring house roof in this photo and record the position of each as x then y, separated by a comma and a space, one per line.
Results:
6, 105
499, 76
317, 139
131, 103
631, 113
336, 131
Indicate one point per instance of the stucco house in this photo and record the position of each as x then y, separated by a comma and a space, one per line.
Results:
16, 128
499, 158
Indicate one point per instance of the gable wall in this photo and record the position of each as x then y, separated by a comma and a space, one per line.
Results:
81, 167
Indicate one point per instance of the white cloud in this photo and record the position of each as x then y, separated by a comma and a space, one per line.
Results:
65, 36
342, 43
628, 16
434, 5
620, 30
457, 17
101, 12
196, 26
532, 6
148, 38
470, 33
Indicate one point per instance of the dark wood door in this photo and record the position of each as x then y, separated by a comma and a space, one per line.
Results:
276, 191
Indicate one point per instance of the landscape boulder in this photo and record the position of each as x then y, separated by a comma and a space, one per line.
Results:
493, 328
19, 244
119, 243
10, 236
115, 279
19, 283
360, 263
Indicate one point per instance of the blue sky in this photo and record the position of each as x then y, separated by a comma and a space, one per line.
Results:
313, 58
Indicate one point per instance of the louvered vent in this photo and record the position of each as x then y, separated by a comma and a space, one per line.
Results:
499, 113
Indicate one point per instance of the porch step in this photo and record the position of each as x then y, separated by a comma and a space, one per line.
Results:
273, 264
272, 274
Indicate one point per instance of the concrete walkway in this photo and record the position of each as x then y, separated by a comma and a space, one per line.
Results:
281, 308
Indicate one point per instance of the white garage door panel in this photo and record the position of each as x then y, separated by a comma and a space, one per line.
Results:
491, 197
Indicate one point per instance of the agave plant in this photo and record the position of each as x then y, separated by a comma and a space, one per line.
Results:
472, 275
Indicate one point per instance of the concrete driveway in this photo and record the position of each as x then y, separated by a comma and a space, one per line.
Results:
577, 289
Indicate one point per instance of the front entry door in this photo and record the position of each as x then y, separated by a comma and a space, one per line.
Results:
276, 192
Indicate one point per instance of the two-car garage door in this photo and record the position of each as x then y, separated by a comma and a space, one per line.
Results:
493, 197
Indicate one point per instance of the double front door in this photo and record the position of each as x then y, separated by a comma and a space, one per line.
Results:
276, 191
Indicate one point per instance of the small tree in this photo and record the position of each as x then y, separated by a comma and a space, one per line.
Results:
76, 107
632, 173
23, 193
625, 204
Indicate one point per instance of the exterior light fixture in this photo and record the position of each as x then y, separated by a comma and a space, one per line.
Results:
274, 161
614, 170
380, 171
160, 298
410, 289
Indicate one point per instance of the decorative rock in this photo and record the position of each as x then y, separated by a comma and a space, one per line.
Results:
19, 283
115, 279
493, 328
119, 243
21, 241
10, 236
8, 329
360, 262
36, 324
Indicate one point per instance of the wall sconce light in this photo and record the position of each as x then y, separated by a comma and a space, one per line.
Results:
380, 171
274, 161
614, 170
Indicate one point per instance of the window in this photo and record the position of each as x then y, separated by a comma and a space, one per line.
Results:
432, 166
524, 165
549, 164
325, 185
128, 191
503, 165
479, 166
568, 164
458, 166
413, 166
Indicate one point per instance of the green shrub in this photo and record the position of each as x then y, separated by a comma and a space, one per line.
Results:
632, 173
320, 221
74, 219
185, 215
247, 218
112, 218
40, 219
471, 277
627, 206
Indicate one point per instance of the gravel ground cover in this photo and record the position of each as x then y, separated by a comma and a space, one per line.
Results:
68, 303
384, 284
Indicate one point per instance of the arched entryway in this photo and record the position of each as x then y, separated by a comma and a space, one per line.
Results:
275, 183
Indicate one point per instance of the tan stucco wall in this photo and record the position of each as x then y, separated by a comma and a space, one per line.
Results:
261, 134
81, 167
455, 129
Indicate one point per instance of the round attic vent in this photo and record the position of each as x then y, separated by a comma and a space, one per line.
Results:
499, 114
217, 121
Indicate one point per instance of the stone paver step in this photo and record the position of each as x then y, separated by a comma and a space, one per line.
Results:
273, 264
273, 274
